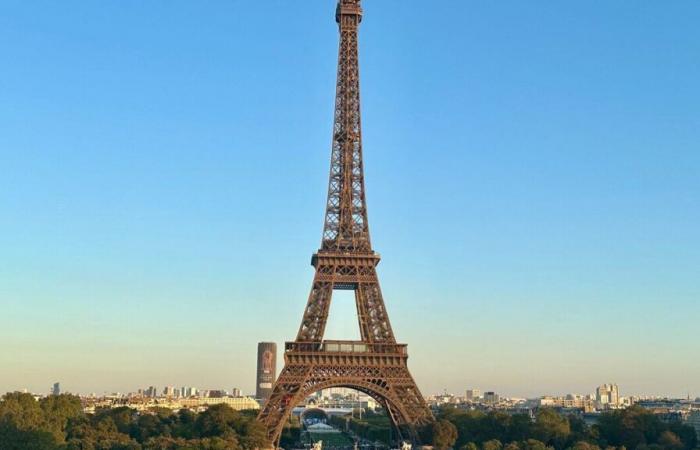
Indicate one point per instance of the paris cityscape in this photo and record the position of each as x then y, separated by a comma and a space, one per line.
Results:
335, 415
535, 166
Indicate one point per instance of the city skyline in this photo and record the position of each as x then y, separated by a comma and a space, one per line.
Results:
603, 395
535, 201
466, 391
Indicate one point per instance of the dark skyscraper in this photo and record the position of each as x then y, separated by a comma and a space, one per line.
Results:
267, 370
56, 389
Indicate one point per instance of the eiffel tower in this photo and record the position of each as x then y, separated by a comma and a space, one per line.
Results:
376, 365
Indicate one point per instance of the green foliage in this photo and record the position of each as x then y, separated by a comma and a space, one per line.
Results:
633, 428
493, 444
291, 433
13, 438
636, 427
217, 420
330, 440
552, 428
583, 445
670, 441
22, 411
533, 444
469, 446
443, 434
58, 411
58, 423
478, 427
373, 427
28, 424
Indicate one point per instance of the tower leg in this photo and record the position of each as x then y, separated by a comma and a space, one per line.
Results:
392, 387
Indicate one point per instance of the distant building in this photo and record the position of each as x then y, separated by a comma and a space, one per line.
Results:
237, 403
607, 395
267, 370
491, 398
56, 389
151, 392
169, 391
473, 395
571, 401
235, 392
444, 399
188, 392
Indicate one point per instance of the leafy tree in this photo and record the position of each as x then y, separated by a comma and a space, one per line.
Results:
493, 444
13, 438
512, 446
686, 433
253, 435
583, 445
479, 427
670, 441
147, 426
170, 443
640, 429
184, 424
218, 443
533, 444
217, 420
122, 418
551, 428
21, 411
58, 423
98, 433
519, 427
444, 434
58, 410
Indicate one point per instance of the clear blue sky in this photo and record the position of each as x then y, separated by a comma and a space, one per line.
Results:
533, 173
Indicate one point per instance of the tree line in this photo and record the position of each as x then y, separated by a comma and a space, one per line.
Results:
59, 423
633, 428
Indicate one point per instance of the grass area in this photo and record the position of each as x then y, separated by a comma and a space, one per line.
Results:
373, 427
329, 439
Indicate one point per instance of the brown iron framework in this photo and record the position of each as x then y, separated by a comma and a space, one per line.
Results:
375, 365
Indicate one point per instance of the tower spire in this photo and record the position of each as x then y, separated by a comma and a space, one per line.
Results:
346, 228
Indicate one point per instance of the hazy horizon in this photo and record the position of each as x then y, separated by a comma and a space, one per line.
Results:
533, 184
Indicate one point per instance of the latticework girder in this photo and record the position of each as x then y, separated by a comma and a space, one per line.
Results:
384, 377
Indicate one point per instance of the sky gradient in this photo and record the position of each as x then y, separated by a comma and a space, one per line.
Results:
532, 171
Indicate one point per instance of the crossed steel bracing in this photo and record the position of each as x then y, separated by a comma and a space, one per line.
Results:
375, 365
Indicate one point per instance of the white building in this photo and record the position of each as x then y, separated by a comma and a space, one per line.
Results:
237, 403
607, 395
585, 403
187, 391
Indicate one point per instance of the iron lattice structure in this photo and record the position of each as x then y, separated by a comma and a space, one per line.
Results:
375, 365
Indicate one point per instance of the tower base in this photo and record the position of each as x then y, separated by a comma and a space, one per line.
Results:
378, 370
